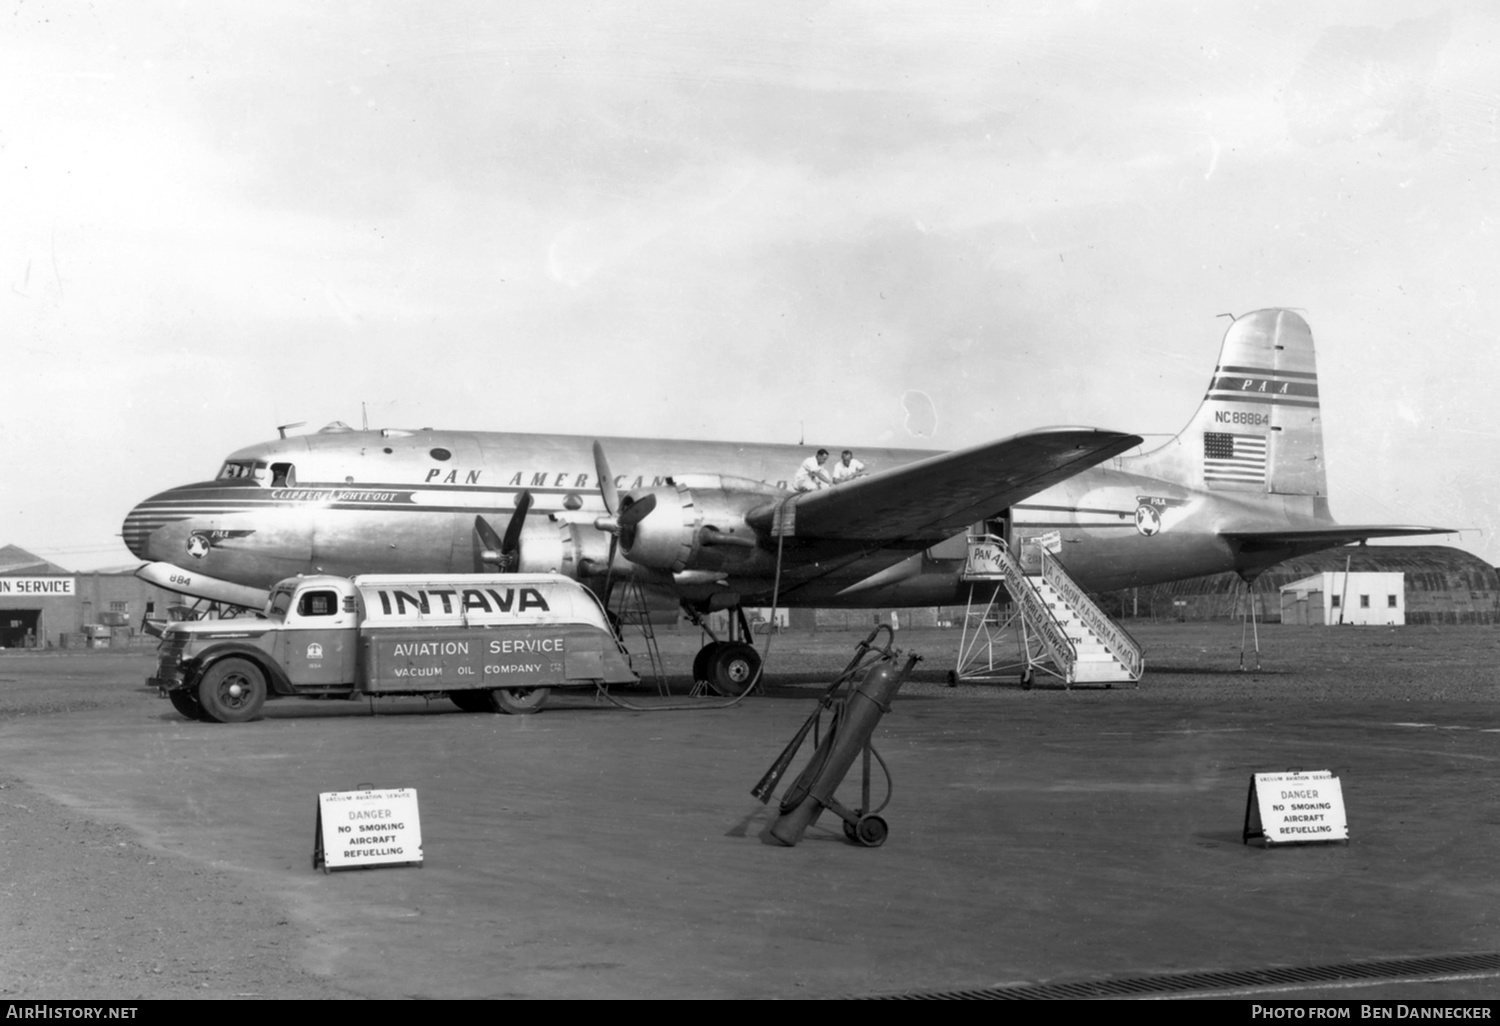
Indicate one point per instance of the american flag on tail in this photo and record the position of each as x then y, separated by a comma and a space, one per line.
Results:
1234, 459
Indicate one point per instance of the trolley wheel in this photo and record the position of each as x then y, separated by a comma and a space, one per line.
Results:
850, 832
871, 831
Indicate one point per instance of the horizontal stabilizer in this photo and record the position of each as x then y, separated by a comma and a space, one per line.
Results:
938, 497
1324, 537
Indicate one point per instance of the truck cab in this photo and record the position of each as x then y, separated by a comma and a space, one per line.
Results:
316, 643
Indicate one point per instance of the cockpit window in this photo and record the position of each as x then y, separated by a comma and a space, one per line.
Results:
283, 475
242, 470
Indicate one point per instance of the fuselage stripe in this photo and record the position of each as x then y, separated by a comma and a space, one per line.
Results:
1076, 509
1270, 400
1267, 372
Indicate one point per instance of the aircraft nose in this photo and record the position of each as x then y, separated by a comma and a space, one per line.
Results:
138, 527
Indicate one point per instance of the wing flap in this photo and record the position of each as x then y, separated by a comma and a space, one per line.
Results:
937, 497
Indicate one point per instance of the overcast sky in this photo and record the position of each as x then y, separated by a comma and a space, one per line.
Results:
917, 224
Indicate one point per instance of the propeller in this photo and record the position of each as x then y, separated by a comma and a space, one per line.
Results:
504, 553
607, 489
617, 520
633, 513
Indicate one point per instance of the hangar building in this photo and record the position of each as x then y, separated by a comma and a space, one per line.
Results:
1443, 585
43, 605
1334, 597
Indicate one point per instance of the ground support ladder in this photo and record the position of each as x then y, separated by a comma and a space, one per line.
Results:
632, 611
1058, 630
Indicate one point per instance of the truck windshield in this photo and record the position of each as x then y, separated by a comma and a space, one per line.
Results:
281, 601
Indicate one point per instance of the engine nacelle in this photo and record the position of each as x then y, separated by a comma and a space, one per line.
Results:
698, 523
564, 547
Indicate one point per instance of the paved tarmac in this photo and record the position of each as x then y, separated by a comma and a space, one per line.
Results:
1035, 837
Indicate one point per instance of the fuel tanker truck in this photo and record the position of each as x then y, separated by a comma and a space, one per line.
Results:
489, 642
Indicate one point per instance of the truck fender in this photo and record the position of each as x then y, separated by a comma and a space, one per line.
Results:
275, 676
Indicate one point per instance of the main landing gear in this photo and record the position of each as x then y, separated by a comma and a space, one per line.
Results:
727, 667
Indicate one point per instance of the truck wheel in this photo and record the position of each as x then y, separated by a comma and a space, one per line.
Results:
732, 667
232, 691
472, 701
186, 702
519, 701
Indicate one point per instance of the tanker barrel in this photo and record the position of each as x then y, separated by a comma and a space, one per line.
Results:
768, 783
867, 703
799, 809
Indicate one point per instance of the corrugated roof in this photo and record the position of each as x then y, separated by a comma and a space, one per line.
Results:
17, 562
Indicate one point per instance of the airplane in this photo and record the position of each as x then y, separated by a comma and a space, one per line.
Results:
714, 525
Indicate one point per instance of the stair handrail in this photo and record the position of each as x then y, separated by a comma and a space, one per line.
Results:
1038, 614
1115, 637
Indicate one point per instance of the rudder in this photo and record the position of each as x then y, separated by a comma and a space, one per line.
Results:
1260, 424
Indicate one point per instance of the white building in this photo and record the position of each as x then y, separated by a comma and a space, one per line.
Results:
1334, 597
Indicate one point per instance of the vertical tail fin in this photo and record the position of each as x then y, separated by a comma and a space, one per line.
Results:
1259, 428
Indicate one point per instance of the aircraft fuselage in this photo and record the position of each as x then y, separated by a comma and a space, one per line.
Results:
404, 502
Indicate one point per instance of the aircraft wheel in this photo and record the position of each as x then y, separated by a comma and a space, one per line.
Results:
871, 831
702, 659
1026, 679
518, 701
186, 702
232, 691
732, 668
953, 678
472, 701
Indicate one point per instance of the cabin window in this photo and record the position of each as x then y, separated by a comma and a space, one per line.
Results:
441, 454
318, 603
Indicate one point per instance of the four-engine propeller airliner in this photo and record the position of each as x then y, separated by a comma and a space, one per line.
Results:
713, 524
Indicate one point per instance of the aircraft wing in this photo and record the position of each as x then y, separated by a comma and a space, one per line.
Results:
935, 498
1323, 537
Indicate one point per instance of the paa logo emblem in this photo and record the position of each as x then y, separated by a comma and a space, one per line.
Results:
1147, 520
1149, 511
199, 542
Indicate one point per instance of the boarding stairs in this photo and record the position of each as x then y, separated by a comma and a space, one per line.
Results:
1057, 629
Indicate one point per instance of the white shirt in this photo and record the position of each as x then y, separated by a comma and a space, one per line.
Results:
847, 472
811, 476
